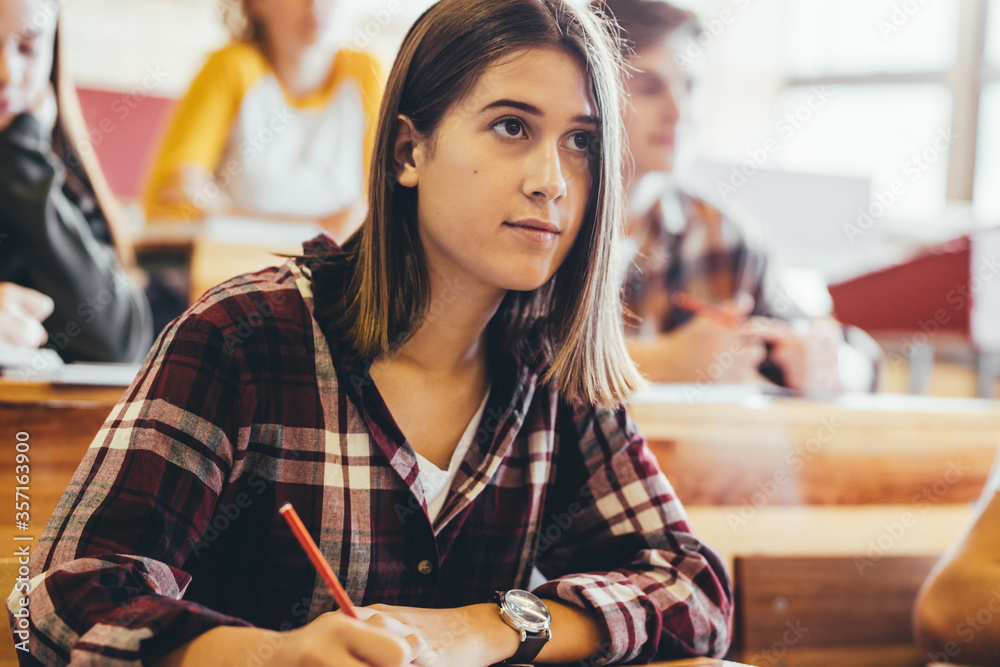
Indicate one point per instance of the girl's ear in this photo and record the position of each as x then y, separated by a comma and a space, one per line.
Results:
407, 142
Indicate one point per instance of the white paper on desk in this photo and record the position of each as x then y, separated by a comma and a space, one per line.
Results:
700, 394
19, 357
104, 375
89, 374
255, 231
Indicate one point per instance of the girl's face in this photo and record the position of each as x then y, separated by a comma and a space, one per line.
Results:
503, 184
295, 23
27, 44
660, 92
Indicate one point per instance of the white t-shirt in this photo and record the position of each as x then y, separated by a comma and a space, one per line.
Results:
436, 482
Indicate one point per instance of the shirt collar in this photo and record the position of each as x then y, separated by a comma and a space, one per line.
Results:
512, 389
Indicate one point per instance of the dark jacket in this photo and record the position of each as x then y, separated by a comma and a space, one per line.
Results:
54, 239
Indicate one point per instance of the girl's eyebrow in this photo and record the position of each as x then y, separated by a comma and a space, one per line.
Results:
535, 111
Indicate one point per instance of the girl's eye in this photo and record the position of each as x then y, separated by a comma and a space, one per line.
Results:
509, 128
580, 141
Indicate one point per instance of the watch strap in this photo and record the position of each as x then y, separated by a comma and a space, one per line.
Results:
529, 648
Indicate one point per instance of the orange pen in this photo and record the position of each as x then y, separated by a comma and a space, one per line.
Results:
339, 594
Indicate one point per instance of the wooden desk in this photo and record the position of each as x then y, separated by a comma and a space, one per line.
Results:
763, 450
61, 422
697, 662
218, 251
866, 479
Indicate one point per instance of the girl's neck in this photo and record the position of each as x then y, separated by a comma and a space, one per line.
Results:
301, 69
451, 340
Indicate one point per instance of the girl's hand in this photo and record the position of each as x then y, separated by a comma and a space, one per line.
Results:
472, 636
808, 352
337, 640
22, 311
704, 349
331, 640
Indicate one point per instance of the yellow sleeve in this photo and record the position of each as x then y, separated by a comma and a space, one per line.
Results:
201, 123
368, 72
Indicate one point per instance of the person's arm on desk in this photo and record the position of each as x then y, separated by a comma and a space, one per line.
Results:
332, 640
702, 349
965, 585
99, 313
624, 551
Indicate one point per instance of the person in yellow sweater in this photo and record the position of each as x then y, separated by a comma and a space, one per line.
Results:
276, 124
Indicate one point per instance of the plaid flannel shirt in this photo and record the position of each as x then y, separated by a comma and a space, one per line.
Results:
693, 247
170, 527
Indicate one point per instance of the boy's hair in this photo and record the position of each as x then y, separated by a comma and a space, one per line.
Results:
376, 293
644, 23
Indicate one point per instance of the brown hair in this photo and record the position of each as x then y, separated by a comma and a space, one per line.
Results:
379, 285
643, 23
69, 132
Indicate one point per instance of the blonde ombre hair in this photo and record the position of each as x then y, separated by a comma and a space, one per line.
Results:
374, 295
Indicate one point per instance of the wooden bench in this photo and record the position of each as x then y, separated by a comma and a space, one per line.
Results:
812, 611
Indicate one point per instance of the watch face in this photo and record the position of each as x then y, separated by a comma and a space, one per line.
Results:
528, 610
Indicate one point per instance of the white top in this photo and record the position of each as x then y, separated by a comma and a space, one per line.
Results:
295, 161
436, 482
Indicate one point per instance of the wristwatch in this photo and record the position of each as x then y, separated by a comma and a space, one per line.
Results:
529, 617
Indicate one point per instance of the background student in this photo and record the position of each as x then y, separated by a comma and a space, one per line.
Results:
62, 248
277, 124
679, 243
434, 399
957, 608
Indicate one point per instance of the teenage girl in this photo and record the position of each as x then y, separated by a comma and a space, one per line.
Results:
441, 400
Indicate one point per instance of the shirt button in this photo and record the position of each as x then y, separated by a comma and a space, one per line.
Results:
425, 567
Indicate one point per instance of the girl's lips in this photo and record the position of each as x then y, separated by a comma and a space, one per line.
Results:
535, 231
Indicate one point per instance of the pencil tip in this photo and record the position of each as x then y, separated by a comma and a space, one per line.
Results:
284, 508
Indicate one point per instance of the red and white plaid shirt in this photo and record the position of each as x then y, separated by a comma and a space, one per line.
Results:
170, 526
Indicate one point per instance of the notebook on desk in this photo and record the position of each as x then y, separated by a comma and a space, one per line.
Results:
45, 365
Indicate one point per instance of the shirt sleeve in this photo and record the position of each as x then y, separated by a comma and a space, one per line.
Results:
658, 590
201, 123
107, 579
100, 314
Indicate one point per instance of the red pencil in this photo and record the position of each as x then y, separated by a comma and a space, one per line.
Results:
339, 594
699, 307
